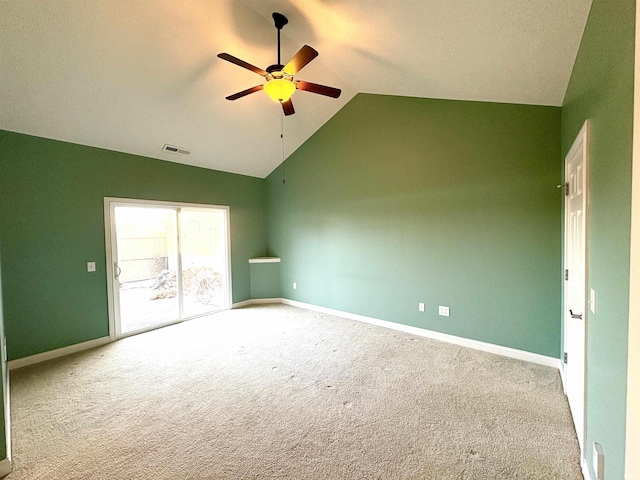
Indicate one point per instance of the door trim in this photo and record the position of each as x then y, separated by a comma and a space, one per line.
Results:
110, 241
632, 459
580, 143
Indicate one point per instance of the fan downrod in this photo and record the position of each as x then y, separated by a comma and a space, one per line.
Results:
280, 21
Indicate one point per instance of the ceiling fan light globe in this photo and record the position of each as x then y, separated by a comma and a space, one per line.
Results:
280, 89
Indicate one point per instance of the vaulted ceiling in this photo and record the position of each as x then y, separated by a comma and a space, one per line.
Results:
133, 75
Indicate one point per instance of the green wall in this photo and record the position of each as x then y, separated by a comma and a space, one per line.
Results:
601, 89
265, 280
53, 223
397, 201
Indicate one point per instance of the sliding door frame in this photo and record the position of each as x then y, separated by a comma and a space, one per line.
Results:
111, 244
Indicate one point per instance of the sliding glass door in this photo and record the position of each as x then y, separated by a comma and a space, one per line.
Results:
203, 245
169, 263
146, 261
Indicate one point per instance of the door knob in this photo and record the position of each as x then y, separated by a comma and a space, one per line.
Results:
575, 315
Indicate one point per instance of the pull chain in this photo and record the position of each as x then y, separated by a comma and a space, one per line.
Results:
282, 141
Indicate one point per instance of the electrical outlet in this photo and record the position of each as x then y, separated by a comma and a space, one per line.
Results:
443, 311
91, 266
421, 307
295, 285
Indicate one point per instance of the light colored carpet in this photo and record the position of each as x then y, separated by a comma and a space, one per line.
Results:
276, 392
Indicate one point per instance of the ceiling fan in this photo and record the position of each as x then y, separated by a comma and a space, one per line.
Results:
280, 82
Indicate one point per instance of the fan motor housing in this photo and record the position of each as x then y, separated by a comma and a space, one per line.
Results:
275, 68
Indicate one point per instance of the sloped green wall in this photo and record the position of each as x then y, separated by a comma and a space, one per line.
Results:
397, 201
601, 90
53, 223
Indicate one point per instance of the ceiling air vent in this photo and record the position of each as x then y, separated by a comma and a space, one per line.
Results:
172, 149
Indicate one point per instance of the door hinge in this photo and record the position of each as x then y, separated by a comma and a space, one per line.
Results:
566, 274
565, 187
566, 356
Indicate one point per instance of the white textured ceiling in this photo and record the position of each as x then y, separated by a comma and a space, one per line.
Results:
132, 75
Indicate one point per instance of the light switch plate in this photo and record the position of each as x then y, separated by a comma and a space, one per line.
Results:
443, 311
421, 307
295, 285
91, 266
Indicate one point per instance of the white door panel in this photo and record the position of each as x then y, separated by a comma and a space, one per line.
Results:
575, 312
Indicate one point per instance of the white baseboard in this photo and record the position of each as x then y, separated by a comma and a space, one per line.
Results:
244, 303
5, 467
256, 301
58, 352
443, 337
465, 342
259, 301
78, 347
563, 378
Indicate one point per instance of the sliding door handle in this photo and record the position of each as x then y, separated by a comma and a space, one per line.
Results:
575, 315
117, 269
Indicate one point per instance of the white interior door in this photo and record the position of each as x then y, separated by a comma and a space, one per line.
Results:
168, 263
575, 311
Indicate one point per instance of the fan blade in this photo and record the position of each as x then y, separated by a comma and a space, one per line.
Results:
242, 63
300, 59
321, 89
288, 107
243, 93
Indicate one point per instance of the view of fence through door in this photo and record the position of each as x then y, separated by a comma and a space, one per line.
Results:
146, 251
168, 263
